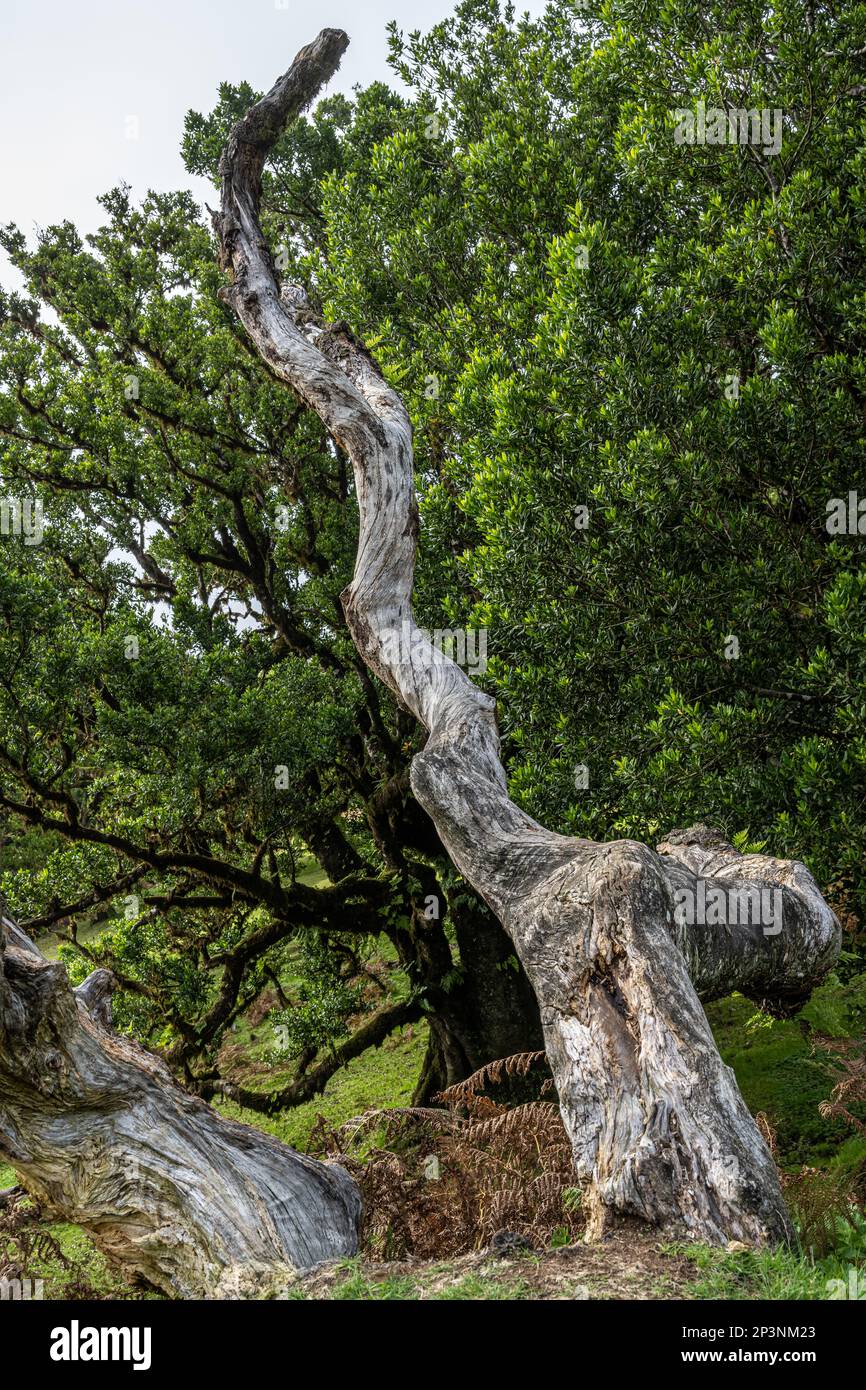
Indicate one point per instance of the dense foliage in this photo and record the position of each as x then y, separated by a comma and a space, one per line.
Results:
635, 369
649, 362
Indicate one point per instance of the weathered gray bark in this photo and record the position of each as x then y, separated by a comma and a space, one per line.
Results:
775, 962
659, 1129
98, 1131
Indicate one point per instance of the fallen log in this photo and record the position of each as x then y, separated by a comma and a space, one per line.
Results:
99, 1132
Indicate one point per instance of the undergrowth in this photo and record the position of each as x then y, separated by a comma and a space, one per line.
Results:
442, 1182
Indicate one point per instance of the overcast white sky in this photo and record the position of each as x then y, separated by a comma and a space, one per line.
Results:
73, 73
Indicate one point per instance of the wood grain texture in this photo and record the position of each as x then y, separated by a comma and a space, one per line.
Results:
99, 1132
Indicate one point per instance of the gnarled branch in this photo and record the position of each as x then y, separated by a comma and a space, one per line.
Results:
99, 1132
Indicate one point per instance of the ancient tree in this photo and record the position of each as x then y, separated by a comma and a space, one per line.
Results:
659, 1129
96, 1128
98, 1131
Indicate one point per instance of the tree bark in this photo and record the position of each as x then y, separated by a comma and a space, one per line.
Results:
658, 1128
98, 1131
777, 963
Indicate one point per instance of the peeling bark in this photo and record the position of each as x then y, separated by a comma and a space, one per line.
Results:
659, 1129
98, 1131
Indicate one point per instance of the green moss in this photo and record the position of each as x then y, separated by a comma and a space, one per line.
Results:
779, 1072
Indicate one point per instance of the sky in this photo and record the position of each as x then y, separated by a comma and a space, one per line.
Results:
94, 92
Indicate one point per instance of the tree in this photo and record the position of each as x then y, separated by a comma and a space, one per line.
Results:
658, 1150
658, 1128
648, 365
171, 772
99, 1131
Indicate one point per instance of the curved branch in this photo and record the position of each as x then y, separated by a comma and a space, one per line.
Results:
750, 922
372, 1033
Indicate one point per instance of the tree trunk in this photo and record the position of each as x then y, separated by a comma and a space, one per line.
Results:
98, 1131
658, 1127
489, 1013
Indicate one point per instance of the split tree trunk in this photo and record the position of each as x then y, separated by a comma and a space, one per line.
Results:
96, 1129
658, 1127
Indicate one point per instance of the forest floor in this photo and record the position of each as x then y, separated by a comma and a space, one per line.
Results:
781, 1069
624, 1267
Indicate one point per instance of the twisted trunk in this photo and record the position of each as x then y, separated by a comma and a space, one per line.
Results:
658, 1127
97, 1130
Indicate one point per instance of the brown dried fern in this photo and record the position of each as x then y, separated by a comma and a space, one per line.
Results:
465, 1093
848, 1061
441, 1182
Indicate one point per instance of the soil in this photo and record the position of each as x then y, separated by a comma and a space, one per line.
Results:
623, 1266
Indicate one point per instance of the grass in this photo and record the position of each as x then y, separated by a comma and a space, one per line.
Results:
440, 1282
50, 942
775, 1275
384, 1076
475, 1286
357, 1286
78, 1270
675, 1271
